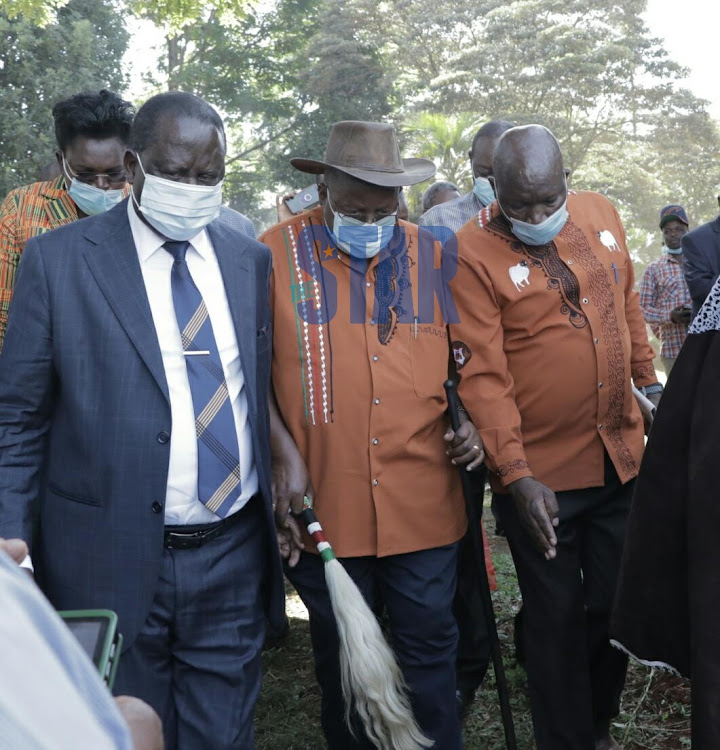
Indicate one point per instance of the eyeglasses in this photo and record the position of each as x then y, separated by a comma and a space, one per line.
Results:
114, 176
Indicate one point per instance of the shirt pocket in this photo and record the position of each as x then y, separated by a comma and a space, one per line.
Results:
429, 358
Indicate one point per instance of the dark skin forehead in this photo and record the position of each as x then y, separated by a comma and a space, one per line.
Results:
481, 157
529, 168
99, 155
184, 146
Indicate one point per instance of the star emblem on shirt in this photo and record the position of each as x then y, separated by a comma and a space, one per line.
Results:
328, 252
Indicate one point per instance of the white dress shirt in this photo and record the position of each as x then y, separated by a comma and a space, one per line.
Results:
51, 695
182, 506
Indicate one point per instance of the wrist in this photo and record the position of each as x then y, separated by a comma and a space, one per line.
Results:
652, 389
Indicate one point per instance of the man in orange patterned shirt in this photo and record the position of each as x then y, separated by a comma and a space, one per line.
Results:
551, 337
91, 130
360, 355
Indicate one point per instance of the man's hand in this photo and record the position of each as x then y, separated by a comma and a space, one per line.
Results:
283, 211
681, 315
538, 511
289, 538
465, 447
16, 549
290, 484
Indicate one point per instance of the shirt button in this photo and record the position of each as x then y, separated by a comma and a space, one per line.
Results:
600, 385
569, 262
157, 507
377, 400
600, 427
375, 358
597, 341
375, 441
375, 482
163, 437
372, 322
367, 283
585, 300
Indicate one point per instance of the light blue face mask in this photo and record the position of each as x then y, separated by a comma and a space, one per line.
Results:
672, 252
360, 239
544, 232
89, 199
484, 191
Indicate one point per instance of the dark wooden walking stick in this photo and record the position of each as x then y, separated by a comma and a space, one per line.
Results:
474, 519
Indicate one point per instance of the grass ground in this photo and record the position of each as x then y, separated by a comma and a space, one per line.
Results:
655, 710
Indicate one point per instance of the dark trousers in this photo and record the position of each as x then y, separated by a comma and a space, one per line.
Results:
575, 677
416, 590
197, 660
473, 655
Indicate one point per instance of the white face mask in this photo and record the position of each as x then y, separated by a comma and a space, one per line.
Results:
176, 209
361, 239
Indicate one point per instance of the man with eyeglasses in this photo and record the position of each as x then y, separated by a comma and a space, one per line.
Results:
360, 354
91, 130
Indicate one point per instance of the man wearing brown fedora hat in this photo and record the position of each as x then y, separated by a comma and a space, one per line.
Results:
360, 356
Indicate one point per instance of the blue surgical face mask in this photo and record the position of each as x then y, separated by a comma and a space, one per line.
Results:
360, 239
89, 199
544, 232
176, 209
484, 191
672, 252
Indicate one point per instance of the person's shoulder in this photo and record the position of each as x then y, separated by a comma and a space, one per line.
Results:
589, 199
236, 220
35, 191
274, 237
448, 212
93, 229
705, 231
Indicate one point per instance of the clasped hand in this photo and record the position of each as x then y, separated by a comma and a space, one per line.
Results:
465, 448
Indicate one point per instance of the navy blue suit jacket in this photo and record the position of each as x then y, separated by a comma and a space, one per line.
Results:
701, 261
83, 403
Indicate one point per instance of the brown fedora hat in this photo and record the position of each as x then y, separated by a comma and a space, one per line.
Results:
369, 152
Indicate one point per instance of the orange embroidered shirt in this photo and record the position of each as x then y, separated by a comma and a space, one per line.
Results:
27, 212
548, 341
358, 372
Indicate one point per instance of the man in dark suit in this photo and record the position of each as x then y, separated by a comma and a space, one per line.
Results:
701, 260
134, 433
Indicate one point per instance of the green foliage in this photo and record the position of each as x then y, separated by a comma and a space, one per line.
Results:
38, 12
80, 50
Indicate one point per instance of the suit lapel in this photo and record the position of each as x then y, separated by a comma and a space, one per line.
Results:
113, 261
230, 247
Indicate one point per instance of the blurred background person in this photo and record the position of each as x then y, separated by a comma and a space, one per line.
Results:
664, 295
439, 192
454, 213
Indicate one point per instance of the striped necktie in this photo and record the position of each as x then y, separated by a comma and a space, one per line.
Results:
218, 453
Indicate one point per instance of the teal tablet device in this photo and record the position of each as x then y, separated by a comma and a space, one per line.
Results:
96, 631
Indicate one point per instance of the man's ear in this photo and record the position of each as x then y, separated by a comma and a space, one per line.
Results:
130, 163
59, 157
322, 192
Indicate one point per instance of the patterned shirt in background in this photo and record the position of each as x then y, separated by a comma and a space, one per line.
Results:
26, 212
452, 214
662, 289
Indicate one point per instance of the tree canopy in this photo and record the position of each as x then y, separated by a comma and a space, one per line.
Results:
282, 71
